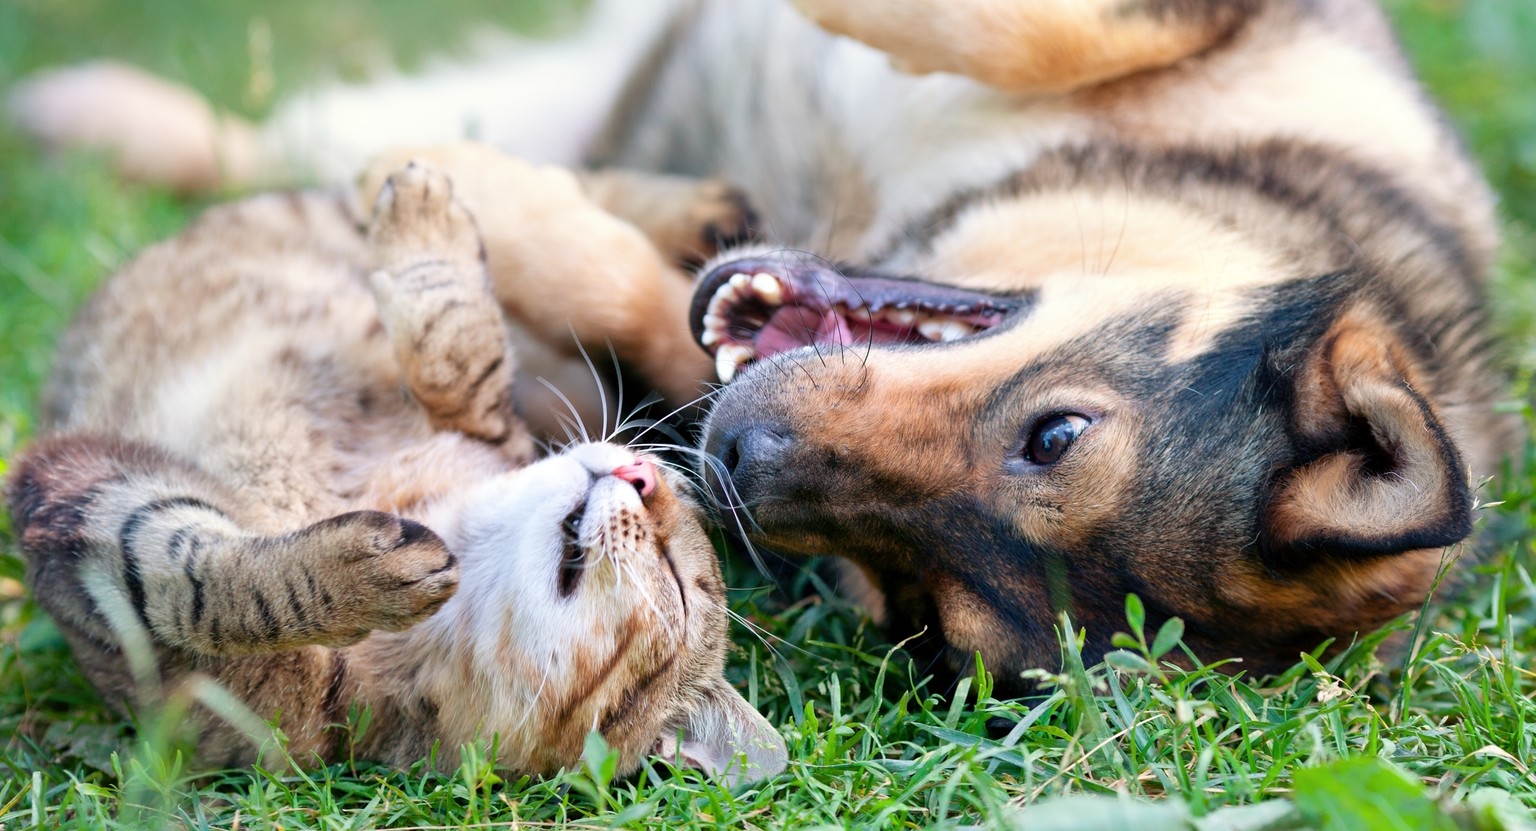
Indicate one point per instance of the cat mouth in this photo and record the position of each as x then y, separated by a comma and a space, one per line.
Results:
602, 530
749, 309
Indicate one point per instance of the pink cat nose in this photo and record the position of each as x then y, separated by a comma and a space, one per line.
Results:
640, 473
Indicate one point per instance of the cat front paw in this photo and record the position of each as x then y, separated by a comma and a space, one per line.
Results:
435, 300
385, 572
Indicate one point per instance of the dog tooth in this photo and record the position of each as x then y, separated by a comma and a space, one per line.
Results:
740, 281
729, 358
722, 302
931, 329
900, 316
725, 367
710, 337
860, 313
955, 330
768, 288
714, 321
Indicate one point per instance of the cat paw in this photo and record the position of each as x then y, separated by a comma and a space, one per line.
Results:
389, 573
417, 222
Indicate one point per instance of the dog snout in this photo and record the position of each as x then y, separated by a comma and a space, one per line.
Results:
749, 456
754, 449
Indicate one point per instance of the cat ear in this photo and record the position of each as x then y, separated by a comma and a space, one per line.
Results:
1384, 476
726, 737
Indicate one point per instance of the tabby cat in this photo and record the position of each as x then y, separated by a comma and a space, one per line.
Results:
284, 453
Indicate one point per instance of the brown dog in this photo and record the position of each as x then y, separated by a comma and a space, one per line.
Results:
1220, 344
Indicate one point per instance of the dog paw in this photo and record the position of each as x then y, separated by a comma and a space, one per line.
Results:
724, 217
417, 221
388, 573
153, 130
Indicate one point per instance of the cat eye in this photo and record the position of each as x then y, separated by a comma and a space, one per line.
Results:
573, 560
1053, 436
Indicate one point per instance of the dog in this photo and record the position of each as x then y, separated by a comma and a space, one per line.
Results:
1053, 301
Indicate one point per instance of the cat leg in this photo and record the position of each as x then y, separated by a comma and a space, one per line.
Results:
561, 266
1033, 46
435, 299
119, 534
122, 537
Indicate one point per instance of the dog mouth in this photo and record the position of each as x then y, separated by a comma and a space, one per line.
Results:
749, 309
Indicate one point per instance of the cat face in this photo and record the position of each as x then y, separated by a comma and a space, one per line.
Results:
591, 599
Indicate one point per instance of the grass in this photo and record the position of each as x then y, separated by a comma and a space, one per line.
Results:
1437, 735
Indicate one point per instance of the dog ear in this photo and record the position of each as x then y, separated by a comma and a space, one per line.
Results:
1380, 474
726, 737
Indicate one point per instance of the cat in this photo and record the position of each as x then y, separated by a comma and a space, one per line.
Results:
284, 452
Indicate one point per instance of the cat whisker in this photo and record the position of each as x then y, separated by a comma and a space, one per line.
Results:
581, 425
538, 692
597, 381
734, 505
625, 567
694, 478
618, 378
764, 636
663, 421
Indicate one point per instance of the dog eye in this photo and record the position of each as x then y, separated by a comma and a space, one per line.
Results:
1053, 437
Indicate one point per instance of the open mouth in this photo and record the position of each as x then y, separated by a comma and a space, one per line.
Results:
750, 309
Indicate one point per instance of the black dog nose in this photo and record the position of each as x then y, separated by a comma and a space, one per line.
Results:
751, 454
753, 446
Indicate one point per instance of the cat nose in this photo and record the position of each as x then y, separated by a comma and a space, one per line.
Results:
640, 473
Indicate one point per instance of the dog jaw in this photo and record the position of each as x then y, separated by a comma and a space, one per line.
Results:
746, 309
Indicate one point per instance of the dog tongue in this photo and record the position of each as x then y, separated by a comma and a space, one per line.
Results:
792, 327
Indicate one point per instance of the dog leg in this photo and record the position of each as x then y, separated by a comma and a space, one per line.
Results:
541, 99
688, 220
156, 131
1032, 46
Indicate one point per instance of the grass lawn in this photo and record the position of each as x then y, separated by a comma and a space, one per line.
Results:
1435, 736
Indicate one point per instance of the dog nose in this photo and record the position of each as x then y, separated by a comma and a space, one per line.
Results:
754, 449
751, 457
